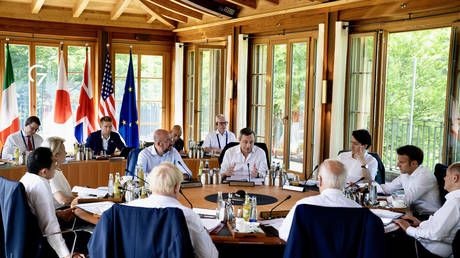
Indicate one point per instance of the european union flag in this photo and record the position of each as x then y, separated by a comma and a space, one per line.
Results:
129, 125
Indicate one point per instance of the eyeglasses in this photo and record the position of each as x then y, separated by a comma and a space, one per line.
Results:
34, 129
222, 123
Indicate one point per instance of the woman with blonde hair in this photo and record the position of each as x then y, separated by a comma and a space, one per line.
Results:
60, 187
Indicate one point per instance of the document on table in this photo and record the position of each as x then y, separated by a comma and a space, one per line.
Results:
91, 192
386, 216
95, 207
210, 224
276, 223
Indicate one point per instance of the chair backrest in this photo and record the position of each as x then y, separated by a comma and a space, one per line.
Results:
126, 231
261, 145
132, 161
318, 231
440, 173
380, 177
228, 146
456, 245
20, 235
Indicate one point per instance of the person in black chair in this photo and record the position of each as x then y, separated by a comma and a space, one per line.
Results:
41, 166
359, 162
216, 140
244, 159
436, 235
105, 139
178, 143
164, 182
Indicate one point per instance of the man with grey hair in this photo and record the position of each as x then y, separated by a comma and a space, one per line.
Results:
332, 178
162, 151
216, 140
164, 182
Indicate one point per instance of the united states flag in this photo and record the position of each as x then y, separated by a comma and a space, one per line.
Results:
107, 103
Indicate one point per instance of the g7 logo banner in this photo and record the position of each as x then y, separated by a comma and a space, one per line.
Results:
42, 76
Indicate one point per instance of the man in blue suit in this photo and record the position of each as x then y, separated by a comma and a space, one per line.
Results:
105, 139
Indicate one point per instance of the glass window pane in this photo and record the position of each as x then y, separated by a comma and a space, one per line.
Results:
151, 89
205, 97
260, 59
279, 99
20, 62
415, 94
150, 112
152, 66
360, 81
297, 117
259, 112
259, 89
76, 58
146, 132
47, 59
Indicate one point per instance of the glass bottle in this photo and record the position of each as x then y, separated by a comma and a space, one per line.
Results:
200, 170
16, 155
140, 174
110, 185
229, 208
253, 216
220, 206
246, 208
117, 185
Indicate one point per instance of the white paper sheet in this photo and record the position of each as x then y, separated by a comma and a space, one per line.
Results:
89, 192
276, 223
95, 207
210, 224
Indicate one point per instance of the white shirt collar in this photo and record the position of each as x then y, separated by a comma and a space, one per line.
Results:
452, 195
102, 136
238, 150
217, 132
331, 192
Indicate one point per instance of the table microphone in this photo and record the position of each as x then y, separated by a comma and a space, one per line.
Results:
140, 179
249, 174
186, 170
361, 179
180, 191
285, 199
311, 175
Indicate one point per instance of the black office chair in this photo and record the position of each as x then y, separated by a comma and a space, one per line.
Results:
440, 173
380, 177
456, 245
261, 145
131, 161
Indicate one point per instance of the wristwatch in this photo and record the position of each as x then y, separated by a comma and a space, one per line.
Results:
364, 166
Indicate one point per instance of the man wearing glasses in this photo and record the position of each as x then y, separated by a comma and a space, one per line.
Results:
216, 140
26, 139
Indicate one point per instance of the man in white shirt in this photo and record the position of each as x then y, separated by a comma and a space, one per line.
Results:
162, 151
216, 141
358, 161
437, 233
41, 166
332, 178
419, 183
244, 159
164, 182
26, 139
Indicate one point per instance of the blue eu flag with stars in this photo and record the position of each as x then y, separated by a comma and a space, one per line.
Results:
128, 123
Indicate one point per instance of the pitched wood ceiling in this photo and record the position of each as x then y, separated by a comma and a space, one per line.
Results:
153, 14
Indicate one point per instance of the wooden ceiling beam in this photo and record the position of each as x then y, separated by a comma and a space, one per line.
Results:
159, 17
119, 9
176, 8
245, 3
166, 13
37, 5
79, 7
150, 18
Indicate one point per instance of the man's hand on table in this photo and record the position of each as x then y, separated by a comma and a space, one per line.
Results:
76, 255
66, 215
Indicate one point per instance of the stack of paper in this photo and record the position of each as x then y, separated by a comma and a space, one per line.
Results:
89, 192
386, 216
95, 207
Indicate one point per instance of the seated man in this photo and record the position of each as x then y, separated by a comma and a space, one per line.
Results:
161, 151
26, 139
244, 158
419, 183
216, 141
178, 143
358, 162
41, 167
105, 139
332, 178
164, 182
437, 233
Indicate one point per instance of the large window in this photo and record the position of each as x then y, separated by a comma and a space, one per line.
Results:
204, 90
149, 76
259, 89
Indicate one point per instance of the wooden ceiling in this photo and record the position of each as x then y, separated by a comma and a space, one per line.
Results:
150, 14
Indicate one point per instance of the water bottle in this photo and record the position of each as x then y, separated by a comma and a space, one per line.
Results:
253, 215
220, 207
246, 208
110, 185
230, 211
116, 187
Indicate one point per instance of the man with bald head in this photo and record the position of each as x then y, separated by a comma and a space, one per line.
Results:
216, 140
332, 178
162, 151
178, 143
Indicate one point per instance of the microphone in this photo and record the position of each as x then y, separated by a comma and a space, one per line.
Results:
186, 170
180, 191
249, 174
285, 199
140, 179
361, 179
313, 171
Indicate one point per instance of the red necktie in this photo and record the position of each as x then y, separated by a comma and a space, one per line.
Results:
29, 143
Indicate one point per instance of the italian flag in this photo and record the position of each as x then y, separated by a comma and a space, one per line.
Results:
9, 118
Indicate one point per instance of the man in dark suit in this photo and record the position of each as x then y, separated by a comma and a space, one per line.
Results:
105, 139
178, 143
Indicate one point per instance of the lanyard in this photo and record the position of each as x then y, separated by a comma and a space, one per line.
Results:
226, 139
24, 140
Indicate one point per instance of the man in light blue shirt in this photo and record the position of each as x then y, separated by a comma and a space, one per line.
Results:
162, 151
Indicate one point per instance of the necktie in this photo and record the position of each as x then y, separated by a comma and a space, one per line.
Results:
29, 144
